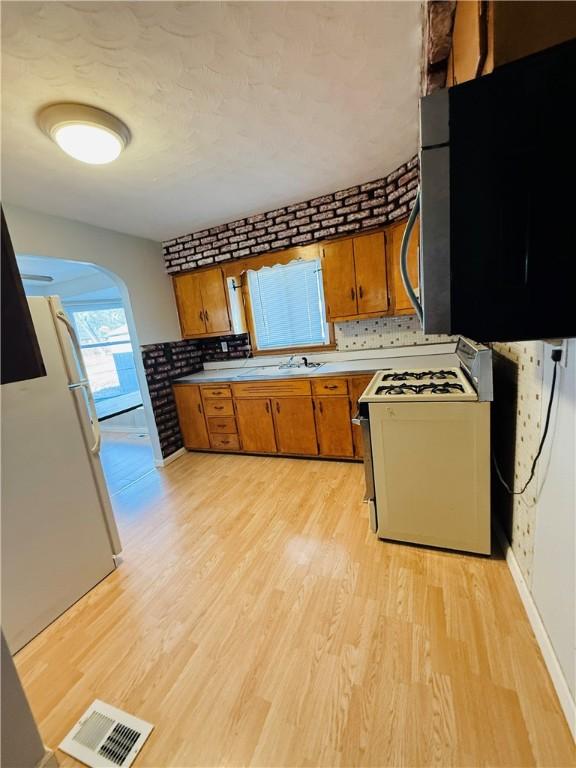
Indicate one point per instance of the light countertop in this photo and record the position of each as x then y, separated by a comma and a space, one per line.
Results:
336, 363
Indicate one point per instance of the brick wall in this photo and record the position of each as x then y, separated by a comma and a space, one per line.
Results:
163, 363
356, 209
238, 348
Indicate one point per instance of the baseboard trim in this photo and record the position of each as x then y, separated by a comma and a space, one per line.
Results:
169, 459
550, 659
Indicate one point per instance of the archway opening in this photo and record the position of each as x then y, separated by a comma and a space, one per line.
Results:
97, 304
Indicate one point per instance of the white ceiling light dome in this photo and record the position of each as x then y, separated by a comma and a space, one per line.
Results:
86, 133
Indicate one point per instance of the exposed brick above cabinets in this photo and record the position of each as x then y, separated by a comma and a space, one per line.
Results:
356, 209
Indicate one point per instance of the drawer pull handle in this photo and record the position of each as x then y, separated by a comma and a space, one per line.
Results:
352, 294
277, 407
206, 316
360, 291
330, 386
267, 408
320, 407
218, 407
225, 442
201, 315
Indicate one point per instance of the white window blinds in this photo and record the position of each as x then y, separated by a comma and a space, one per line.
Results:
287, 303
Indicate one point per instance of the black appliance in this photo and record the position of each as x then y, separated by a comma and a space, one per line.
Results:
498, 202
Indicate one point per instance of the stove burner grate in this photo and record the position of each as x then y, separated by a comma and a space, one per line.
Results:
418, 375
445, 388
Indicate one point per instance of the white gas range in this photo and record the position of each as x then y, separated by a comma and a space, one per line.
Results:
427, 452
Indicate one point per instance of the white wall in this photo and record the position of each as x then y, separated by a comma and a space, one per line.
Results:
554, 565
138, 262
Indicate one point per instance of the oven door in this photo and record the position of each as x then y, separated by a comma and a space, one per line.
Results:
369, 496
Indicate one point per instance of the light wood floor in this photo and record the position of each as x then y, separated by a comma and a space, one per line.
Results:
255, 621
126, 457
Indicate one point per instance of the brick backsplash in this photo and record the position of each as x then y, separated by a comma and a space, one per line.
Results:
356, 209
238, 347
163, 363
167, 361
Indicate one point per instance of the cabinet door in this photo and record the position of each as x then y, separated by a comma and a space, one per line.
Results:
357, 385
189, 304
400, 301
371, 283
339, 279
467, 40
215, 305
295, 427
255, 425
333, 426
191, 416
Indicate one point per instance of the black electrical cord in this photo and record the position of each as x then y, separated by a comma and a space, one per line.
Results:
542, 441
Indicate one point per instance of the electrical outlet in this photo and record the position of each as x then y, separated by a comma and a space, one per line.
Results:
562, 345
224, 345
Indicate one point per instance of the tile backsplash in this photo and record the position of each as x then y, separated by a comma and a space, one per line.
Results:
382, 332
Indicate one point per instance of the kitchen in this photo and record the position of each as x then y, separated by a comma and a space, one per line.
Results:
251, 583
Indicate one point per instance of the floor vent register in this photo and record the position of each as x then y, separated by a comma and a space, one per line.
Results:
106, 737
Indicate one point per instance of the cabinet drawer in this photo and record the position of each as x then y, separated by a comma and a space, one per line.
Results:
225, 442
216, 392
218, 408
271, 388
224, 425
330, 386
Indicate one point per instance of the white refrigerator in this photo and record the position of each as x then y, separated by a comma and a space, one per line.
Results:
59, 535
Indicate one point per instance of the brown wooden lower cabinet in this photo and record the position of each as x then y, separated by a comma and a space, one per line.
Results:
295, 428
255, 425
333, 426
296, 417
191, 416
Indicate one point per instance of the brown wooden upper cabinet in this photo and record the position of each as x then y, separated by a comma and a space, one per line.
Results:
399, 301
202, 303
354, 275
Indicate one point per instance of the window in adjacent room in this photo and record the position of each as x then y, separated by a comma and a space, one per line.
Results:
287, 303
108, 356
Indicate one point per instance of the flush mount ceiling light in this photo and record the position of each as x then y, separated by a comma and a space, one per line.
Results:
85, 133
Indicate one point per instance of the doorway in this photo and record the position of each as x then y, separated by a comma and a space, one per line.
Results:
95, 306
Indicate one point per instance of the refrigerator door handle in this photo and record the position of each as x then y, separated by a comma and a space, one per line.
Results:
83, 383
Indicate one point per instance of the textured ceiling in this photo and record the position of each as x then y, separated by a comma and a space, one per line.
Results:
234, 108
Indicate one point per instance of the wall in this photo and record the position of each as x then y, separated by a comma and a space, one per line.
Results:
539, 524
162, 364
383, 332
356, 209
138, 262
